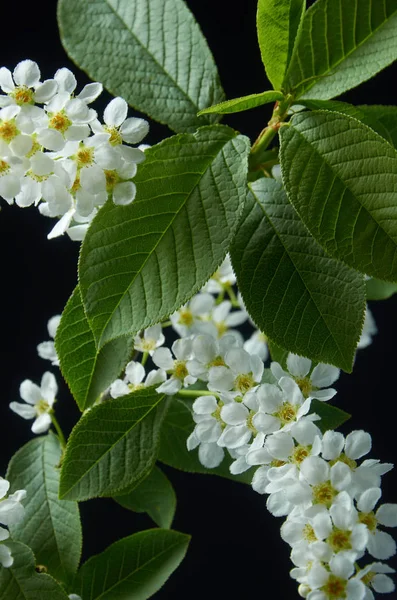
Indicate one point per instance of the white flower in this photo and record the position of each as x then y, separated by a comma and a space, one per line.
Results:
380, 544
119, 128
322, 376
242, 373
39, 402
180, 377
222, 278
256, 344
374, 575
47, 350
191, 316
11, 512
133, 380
279, 407
152, 338
23, 87
337, 582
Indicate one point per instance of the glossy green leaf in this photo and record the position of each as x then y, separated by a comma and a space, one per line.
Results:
342, 179
22, 582
154, 496
87, 371
178, 425
380, 121
51, 527
332, 417
112, 445
141, 262
301, 298
135, 567
380, 290
278, 23
152, 53
342, 44
244, 103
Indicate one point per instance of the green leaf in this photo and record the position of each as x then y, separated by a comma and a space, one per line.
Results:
302, 299
177, 426
244, 103
21, 582
141, 262
341, 45
151, 53
112, 446
51, 527
331, 416
155, 496
342, 179
277, 23
372, 118
87, 371
134, 567
278, 354
380, 290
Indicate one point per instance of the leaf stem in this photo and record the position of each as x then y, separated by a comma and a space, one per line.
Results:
232, 296
59, 431
267, 134
195, 393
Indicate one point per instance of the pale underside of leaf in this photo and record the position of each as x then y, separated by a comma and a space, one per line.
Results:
22, 582
302, 299
243, 103
51, 527
141, 262
112, 446
87, 371
342, 44
134, 567
155, 496
152, 53
342, 179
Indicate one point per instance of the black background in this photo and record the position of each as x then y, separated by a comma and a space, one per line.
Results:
236, 548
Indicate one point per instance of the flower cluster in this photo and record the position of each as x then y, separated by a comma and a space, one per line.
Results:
263, 419
11, 512
57, 155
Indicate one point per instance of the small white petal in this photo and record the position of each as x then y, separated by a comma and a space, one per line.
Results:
135, 372
116, 112
66, 80
6, 81
27, 73
324, 375
45, 91
387, 515
234, 414
368, 499
358, 443
23, 410
133, 130
41, 424
298, 366
30, 392
210, 455
124, 193
205, 405
90, 92
381, 545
